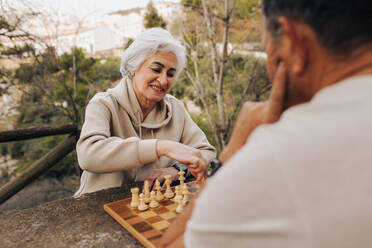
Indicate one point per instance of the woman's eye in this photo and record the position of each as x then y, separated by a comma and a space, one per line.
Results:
170, 74
157, 70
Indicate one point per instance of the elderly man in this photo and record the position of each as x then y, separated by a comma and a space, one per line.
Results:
301, 176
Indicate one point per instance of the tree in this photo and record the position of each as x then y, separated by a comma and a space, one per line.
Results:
47, 99
152, 18
221, 79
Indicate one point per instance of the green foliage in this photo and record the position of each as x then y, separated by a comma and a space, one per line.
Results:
203, 124
247, 8
10, 31
245, 80
129, 42
18, 51
55, 91
191, 3
152, 18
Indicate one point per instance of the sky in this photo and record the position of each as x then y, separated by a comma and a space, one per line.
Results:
82, 8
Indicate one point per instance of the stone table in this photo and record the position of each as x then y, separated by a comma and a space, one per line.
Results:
68, 222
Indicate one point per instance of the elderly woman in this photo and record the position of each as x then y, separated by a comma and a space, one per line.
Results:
136, 131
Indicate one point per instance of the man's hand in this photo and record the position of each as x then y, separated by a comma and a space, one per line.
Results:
173, 237
160, 173
254, 114
187, 155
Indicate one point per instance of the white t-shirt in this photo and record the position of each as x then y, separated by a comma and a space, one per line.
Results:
305, 181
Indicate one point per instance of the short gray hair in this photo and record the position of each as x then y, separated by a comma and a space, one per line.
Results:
147, 44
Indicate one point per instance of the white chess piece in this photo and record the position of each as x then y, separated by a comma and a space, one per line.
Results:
168, 193
185, 193
135, 201
146, 191
178, 194
179, 208
159, 195
142, 205
153, 203
181, 177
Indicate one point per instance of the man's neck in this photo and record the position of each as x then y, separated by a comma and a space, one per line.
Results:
335, 69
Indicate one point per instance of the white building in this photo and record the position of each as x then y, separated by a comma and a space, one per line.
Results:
93, 34
168, 10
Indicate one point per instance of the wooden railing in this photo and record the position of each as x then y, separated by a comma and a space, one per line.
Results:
40, 166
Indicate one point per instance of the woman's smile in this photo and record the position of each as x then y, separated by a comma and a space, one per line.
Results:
157, 88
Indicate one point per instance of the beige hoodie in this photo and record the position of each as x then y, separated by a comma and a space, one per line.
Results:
117, 145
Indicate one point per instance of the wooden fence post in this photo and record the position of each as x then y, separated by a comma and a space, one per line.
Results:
36, 132
38, 168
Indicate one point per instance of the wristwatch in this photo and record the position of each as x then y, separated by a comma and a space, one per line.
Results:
213, 166
179, 166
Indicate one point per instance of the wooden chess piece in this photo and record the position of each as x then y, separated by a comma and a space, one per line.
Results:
153, 203
146, 191
181, 177
179, 208
135, 201
178, 194
168, 192
159, 195
142, 205
185, 193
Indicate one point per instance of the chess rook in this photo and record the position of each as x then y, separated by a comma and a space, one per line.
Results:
135, 201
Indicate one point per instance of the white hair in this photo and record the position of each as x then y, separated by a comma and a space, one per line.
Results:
147, 44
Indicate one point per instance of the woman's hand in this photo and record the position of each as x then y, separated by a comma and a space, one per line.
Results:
187, 155
160, 173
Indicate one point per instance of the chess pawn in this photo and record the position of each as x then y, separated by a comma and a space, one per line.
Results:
134, 203
142, 205
168, 192
179, 208
185, 193
159, 195
181, 177
153, 203
185, 188
146, 191
178, 194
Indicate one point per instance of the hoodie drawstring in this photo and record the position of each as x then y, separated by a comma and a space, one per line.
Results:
140, 127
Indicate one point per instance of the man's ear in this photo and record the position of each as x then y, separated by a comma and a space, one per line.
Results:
296, 42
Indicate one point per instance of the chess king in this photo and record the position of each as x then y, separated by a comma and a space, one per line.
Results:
135, 131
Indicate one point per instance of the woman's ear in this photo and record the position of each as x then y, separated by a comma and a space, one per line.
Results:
132, 73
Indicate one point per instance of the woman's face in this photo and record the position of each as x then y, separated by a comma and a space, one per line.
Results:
153, 79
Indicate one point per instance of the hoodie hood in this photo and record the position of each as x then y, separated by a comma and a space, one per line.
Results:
159, 116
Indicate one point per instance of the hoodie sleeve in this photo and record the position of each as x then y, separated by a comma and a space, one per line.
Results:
193, 136
99, 152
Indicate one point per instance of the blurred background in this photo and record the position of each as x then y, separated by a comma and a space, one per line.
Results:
55, 55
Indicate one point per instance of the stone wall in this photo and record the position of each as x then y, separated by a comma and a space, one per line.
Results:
67, 222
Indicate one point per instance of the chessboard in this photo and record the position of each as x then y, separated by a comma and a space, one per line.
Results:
146, 226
